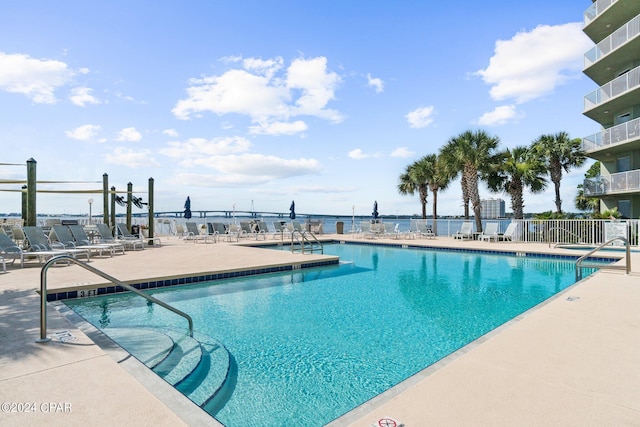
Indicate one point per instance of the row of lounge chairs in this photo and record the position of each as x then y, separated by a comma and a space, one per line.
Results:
234, 232
489, 233
32, 242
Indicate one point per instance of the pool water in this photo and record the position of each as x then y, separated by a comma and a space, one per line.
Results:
310, 345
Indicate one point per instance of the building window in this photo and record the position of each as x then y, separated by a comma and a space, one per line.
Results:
623, 118
623, 164
624, 207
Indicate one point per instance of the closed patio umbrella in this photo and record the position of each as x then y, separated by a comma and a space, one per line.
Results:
187, 208
292, 210
375, 210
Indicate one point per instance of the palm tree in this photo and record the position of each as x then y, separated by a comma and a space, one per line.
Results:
413, 180
518, 169
471, 154
439, 179
559, 153
585, 203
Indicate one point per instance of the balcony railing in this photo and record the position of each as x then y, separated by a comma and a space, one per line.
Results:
620, 134
596, 9
614, 88
621, 36
621, 182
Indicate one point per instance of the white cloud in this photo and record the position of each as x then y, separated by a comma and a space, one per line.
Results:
358, 154
532, 64
124, 156
129, 134
172, 133
500, 116
38, 79
278, 128
377, 83
402, 152
420, 117
245, 169
81, 96
83, 133
265, 91
194, 148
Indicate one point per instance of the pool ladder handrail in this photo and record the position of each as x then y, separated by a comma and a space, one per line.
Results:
304, 241
43, 293
627, 267
571, 233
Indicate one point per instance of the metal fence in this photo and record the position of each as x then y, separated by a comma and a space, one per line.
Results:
586, 231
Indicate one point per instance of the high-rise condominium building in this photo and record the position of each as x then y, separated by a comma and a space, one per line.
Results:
614, 65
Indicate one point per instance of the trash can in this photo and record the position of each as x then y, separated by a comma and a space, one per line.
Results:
339, 227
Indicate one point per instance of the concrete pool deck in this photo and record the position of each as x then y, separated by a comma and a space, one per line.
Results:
572, 360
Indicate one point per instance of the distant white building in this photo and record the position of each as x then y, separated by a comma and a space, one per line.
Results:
492, 208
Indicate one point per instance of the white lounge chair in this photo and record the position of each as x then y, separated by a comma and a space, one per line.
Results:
193, 234
39, 244
124, 236
509, 233
490, 232
466, 231
83, 238
63, 234
425, 231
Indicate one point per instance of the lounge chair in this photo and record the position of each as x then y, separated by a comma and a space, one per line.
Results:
280, 229
193, 234
39, 245
509, 232
129, 240
9, 249
63, 235
466, 231
366, 231
83, 238
490, 232
425, 230
389, 230
264, 228
251, 229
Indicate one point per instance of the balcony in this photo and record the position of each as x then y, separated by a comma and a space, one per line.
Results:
596, 9
616, 95
624, 42
616, 183
614, 136
604, 16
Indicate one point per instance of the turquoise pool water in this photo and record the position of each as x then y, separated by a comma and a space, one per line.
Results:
309, 346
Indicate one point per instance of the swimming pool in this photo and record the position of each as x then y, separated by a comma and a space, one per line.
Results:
306, 347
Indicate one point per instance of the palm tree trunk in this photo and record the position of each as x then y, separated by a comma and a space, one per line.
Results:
474, 194
435, 211
517, 203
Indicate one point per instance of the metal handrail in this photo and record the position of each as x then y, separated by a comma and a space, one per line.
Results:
626, 267
43, 293
571, 233
303, 235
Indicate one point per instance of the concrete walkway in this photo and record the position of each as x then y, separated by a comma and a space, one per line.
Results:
573, 360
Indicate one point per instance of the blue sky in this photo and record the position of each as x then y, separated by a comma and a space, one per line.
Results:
264, 102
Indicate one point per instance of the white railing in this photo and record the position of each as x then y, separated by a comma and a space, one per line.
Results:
552, 231
619, 134
596, 9
620, 182
585, 231
614, 88
621, 36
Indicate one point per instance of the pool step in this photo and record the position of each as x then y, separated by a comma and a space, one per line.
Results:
201, 369
183, 359
210, 375
149, 346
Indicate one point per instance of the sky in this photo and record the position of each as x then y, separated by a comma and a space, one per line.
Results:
253, 104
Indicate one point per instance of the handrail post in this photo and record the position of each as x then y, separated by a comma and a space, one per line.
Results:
43, 294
